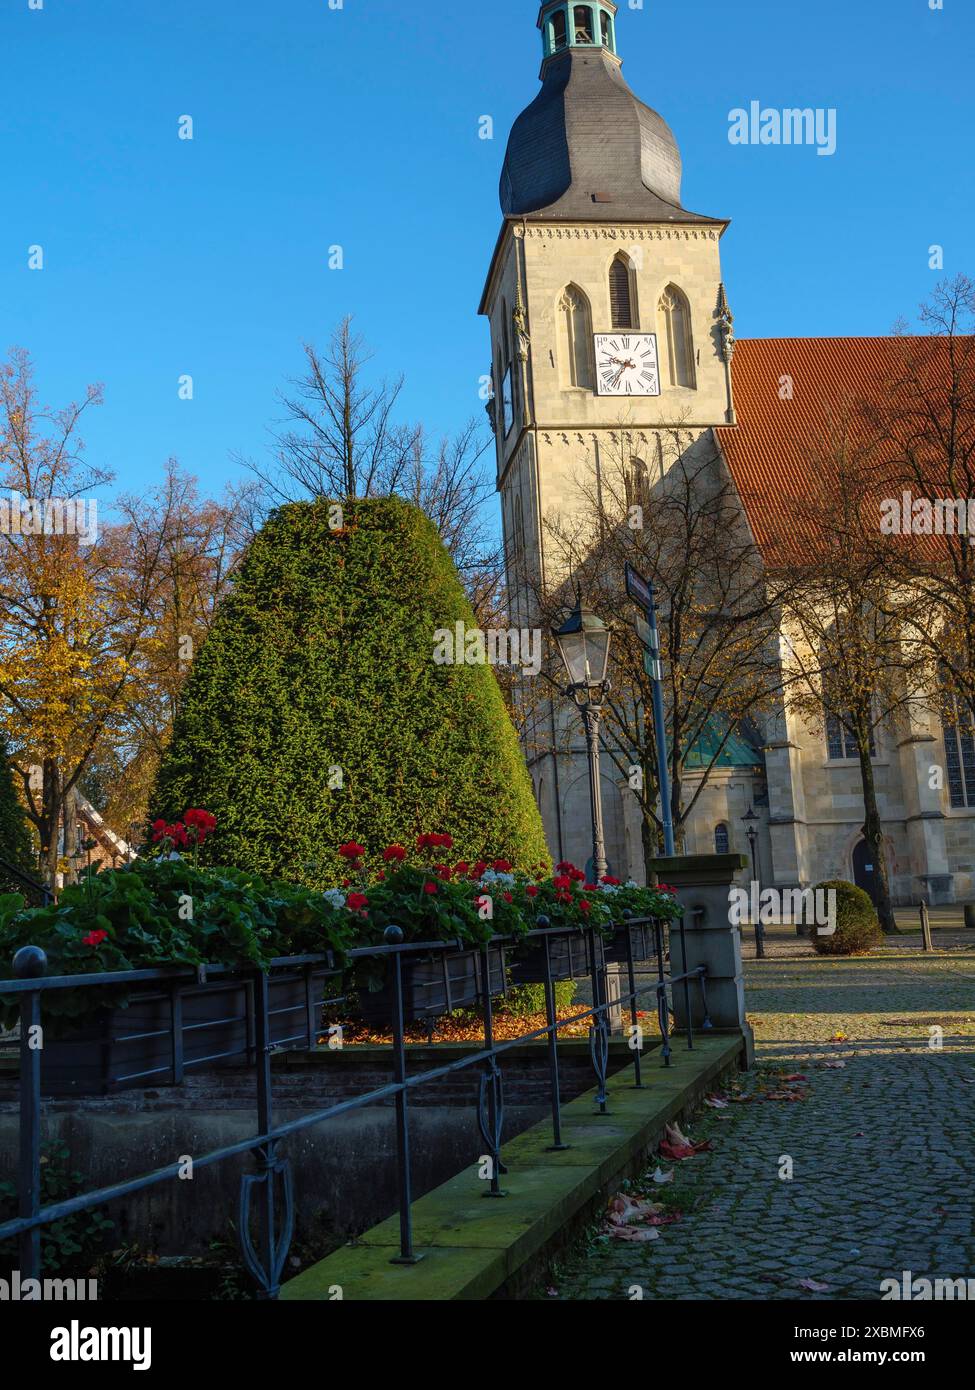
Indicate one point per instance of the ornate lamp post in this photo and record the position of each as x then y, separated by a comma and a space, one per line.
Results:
583, 641
751, 822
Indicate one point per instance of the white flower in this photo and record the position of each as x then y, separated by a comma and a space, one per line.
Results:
492, 876
336, 897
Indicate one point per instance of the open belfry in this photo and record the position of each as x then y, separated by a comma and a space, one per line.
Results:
612, 345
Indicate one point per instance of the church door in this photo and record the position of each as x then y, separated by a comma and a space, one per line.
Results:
864, 875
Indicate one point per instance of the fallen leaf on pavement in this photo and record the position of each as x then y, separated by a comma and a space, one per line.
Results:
634, 1233
661, 1176
715, 1102
813, 1286
623, 1211
834, 1066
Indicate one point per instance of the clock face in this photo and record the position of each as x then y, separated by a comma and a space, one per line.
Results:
626, 364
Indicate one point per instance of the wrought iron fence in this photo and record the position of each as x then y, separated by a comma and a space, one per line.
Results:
273, 1215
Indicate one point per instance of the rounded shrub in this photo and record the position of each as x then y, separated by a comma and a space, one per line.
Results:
16, 843
315, 714
858, 927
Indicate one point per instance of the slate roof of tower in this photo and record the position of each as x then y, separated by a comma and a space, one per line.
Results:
586, 136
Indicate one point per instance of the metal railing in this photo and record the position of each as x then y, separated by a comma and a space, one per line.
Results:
273, 1215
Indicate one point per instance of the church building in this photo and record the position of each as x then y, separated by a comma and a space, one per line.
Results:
596, 247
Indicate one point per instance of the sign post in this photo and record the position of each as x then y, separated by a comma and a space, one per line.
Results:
640, 591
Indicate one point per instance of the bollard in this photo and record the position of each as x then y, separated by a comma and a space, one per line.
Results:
926, 942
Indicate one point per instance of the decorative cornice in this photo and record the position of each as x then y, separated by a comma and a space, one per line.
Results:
587, 232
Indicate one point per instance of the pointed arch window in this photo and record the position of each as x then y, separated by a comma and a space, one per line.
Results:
575, 338
722, 841
958, 729
622, 293
637, 484
674, 315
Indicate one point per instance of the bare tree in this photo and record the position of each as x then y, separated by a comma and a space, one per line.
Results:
925, 425
340, 438
854, 668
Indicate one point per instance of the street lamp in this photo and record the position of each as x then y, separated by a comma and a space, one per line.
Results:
751, 822
583, 641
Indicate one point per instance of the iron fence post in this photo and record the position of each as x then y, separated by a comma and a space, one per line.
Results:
553, 1050
30, 962
407, 1256
598, 1038
636, 1032
490, 1108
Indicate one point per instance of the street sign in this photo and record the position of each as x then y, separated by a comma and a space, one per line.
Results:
653, 667
638, 588
646, 634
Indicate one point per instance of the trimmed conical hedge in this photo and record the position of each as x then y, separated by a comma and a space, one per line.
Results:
315, 713
16, 842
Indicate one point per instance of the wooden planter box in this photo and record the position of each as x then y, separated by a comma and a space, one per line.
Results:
433, 986
133, 1047
568, 960
641, 944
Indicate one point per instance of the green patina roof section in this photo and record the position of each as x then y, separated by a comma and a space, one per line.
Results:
739, 751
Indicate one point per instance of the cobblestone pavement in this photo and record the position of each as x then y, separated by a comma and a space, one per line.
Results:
883, 1149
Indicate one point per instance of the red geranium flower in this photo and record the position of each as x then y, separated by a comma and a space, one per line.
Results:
577, 874
585, 905
352, 850
443, 871
381, 877
507, 897
357, 902
608, 878
563, 897
94, 938
565, 866
462, 868
531, 890
430, 888
501, 866
394, 854
479, 868
563, 883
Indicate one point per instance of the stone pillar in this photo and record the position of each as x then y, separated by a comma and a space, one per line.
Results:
703, 883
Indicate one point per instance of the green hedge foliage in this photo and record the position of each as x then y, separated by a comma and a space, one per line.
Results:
315, 713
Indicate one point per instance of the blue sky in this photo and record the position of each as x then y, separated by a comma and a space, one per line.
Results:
359, 127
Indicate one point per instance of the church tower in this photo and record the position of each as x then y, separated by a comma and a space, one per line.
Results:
609, 328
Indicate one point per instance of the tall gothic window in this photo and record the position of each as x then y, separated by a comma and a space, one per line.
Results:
575, 338
582, 23
721, 839
622, 294
959, 736
840, 743
674, 314
637, 484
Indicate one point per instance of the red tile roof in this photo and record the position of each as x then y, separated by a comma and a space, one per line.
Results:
778, 442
